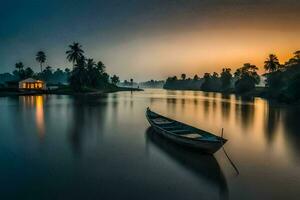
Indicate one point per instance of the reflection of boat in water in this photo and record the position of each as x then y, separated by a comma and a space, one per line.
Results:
184, 134
204, 166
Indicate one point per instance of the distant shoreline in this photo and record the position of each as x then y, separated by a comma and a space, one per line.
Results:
260, 92
64, 92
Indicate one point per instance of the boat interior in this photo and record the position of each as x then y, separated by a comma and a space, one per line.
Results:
177, 128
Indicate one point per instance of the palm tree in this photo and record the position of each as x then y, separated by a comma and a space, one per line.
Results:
41, 58
90, 63
100, 67
272, 63
75, 53
91, 72
78, 77
19, 66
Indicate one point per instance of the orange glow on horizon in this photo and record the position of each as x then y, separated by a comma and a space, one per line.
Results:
202, 51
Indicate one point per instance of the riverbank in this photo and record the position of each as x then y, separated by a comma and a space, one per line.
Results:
65, 91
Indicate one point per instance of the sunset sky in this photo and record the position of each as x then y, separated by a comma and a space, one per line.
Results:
150, 39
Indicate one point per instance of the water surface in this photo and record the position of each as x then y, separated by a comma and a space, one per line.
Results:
62, 147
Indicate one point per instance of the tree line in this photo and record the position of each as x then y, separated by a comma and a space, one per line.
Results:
281, 79
85, 72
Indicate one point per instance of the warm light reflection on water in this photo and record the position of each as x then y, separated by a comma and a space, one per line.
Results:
95, 144
40, 116
36, 103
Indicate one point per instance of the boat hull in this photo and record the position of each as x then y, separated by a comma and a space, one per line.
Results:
205, 146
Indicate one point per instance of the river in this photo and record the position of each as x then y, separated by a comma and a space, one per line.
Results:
63, 147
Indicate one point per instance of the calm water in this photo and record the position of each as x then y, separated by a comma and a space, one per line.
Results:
61, 147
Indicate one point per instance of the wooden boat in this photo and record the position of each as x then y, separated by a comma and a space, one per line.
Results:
184, 134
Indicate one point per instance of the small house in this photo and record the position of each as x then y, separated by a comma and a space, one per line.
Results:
32, 84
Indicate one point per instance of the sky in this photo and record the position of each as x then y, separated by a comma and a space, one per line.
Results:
150, 39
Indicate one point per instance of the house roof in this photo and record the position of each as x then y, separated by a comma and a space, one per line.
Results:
30, 80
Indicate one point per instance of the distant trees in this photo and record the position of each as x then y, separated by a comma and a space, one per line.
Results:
59, 74
174, 78
115, 79
86, 73
297, 56
272, 63
152, 84
294, 60
67, 71
46, 74
185, 83
196, 77
100, 67
131, 82
41, 58
28, 72
226, 78
211, 82
206, 86
19, 66
247, 78
244, 80
22, 73
183, 76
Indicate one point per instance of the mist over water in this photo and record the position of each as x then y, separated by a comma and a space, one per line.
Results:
102, 147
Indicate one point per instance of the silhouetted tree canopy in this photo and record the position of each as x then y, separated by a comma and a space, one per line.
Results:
75, 53
86, 73
226, 78
272, 63
183, 84
211, 82
183, 76
115, 79
247, 78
